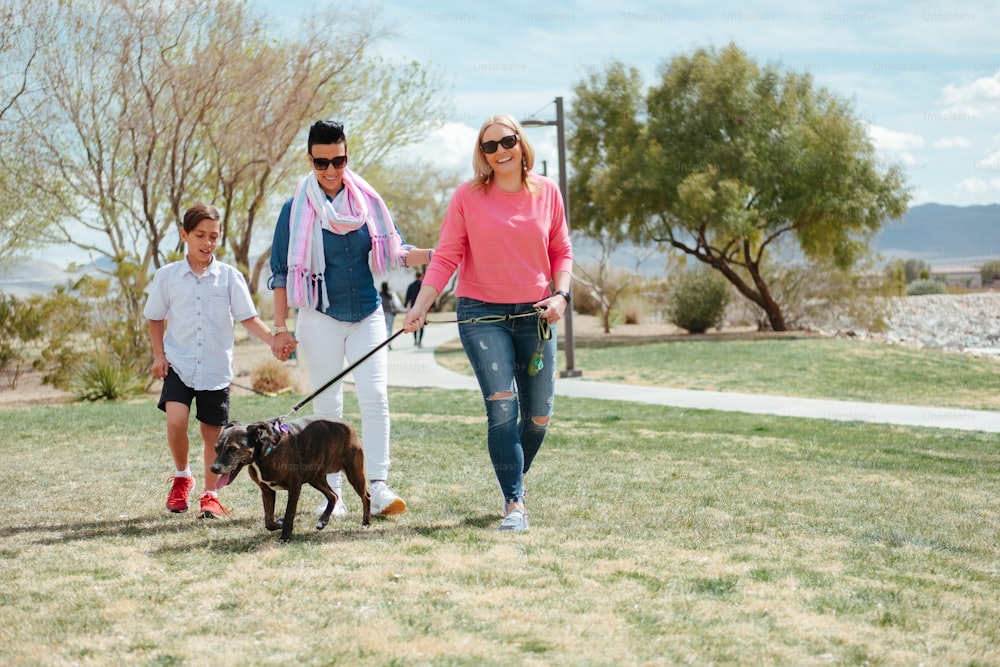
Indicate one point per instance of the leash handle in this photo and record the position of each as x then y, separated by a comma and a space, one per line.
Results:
340, 375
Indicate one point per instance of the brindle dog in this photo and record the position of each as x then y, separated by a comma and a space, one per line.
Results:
286, 455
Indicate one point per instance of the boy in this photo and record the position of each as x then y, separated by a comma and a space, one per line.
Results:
200, 296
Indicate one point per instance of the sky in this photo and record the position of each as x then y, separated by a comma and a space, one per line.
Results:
924, 77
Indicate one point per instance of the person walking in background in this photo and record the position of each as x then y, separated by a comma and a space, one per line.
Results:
324, 238
390, 306
412, 290
505, 232
191, 308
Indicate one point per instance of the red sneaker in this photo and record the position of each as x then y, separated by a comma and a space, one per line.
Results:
177, 501
211, 508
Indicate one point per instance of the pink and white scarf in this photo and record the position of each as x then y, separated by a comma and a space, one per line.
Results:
312, 212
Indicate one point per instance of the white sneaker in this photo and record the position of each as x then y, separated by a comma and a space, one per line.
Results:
516, 521
339, 510
384, 501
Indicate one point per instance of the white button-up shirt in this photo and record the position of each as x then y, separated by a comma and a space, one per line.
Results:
200, 313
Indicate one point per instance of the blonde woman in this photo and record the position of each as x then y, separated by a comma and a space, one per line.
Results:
505, 233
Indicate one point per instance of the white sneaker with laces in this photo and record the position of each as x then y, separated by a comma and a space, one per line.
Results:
384, 501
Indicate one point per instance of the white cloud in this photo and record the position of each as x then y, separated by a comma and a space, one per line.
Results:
952, 142
977, 98
920, 196
449, 147
979, 185
890, 141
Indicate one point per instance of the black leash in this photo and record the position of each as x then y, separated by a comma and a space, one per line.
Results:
544, 333
298, 406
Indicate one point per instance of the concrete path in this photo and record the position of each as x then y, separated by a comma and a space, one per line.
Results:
410, 366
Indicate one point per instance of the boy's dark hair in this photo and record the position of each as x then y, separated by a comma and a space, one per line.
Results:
197, 213
326, 132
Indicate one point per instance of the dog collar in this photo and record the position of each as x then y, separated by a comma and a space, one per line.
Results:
282, 427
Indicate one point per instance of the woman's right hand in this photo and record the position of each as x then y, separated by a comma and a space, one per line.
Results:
414, 320
416, 316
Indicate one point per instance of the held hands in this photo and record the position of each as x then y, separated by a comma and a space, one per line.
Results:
283, 345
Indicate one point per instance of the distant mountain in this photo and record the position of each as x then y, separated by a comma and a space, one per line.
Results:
40, 276
940, 235
944, 235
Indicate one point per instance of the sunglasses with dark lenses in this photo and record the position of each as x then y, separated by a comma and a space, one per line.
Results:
490, 147
322, 163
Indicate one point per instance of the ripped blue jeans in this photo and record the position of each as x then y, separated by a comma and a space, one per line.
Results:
518, 405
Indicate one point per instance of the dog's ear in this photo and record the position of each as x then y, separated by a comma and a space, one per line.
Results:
258, 433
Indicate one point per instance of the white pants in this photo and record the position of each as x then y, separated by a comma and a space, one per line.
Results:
325, 344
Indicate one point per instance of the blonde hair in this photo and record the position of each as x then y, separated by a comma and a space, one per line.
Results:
481, 169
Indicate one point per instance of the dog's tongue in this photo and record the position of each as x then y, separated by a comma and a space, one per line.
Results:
223, 480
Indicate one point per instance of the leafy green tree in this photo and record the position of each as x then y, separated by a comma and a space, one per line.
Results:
721, 159
916, 269
990, 272
895, 276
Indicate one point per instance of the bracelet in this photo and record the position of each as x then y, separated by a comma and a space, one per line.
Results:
430, 255
563, 293
277, 330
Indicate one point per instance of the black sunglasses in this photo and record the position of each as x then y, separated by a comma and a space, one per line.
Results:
490, 147
322, 163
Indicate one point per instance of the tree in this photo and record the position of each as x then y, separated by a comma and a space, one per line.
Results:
21, 218
990, 272
141, 108
722, 159
418, 205
916, 269
603, 281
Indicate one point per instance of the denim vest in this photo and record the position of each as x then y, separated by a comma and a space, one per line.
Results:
349, 281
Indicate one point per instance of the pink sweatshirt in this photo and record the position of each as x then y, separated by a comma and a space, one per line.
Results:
506, 246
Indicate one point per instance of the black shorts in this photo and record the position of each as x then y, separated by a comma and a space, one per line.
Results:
213, 404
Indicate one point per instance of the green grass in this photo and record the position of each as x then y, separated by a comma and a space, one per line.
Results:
804, 367
658, 536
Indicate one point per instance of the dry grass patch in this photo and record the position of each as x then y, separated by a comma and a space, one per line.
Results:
658, 536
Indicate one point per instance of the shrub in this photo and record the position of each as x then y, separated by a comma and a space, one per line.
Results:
990, 272
270, 377
104, 378
584, 301
634, 309
925, 286
698, 301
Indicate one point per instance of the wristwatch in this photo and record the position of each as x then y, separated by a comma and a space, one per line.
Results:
563, 293
277, 330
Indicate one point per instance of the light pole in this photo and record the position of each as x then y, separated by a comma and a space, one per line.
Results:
560, 126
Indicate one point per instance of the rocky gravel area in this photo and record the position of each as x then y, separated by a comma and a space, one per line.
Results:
967, 323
